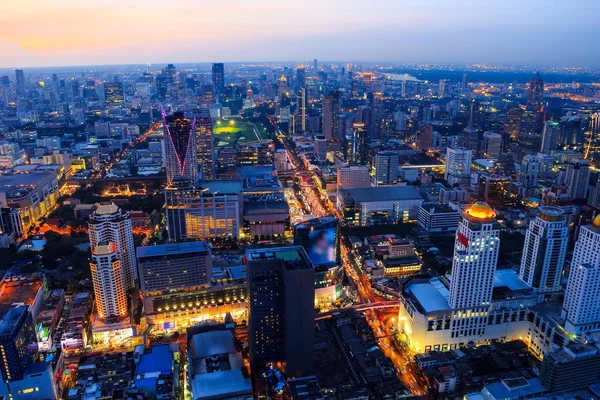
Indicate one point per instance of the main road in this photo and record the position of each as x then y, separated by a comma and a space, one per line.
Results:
382, 322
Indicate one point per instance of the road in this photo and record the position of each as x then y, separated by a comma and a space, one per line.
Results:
383, 322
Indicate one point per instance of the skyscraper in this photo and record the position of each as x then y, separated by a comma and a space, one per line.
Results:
331, 115
492, 145
218, 78
18, 345
578, 178
546, 243
360, 140
385, 168
581, 308
426, 137
20, 77
550, 136
530, 171
111, 224
302, 109
458, 164
473, 267
108, 281
535, 102
355, 176
205, 144
281, 299
180, 148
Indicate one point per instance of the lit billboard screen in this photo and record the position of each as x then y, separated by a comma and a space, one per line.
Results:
321, 248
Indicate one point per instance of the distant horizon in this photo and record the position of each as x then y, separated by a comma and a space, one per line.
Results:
112, 32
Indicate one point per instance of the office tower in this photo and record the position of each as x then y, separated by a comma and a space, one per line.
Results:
359, 151
530, 170
18, 345
494, 189
506, 165
281, 299
403, 89
283, 87
213, 210
535, 104
174, 267
180, 148
458, 164
578, 178
593, 198
469, 138
473, 268
442, 88
20, 77
492, 145
464, 85
331, 115
109, 283
315, 63
355, 176
113, 93
426, 137
581, 308
300, 77
385, 168
218, 78
550, 136
111, 224
205, 144
546, 243
302, 109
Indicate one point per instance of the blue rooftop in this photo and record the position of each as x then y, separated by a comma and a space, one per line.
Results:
160, 359
170, 249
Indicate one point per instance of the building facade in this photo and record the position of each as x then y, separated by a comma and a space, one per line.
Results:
109, 282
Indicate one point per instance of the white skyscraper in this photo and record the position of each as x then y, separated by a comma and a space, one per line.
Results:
545, 248
111, 224
581, 308
530, 171
473, 268
578, 178
458, 164
107, 278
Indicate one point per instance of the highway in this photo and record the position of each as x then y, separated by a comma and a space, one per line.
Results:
382, 321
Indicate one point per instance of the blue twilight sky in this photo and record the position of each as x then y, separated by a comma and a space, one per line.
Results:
84, 32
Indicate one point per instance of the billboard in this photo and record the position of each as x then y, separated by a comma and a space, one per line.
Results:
321, 247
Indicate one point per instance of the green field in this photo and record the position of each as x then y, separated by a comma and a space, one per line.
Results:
228, 133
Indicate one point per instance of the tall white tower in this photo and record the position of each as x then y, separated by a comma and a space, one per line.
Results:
107, 277
545, 248
111, 224
473, 269
458, 164
581, 308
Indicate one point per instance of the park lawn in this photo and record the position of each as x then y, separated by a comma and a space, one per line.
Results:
233, 134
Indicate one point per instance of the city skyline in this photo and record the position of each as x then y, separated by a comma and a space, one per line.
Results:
108, 33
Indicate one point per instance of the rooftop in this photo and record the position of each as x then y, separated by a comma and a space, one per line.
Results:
171, 248
10, 320
386, 193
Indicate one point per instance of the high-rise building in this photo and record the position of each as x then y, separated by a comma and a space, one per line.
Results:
354, 176
20, 78
109, 283
302, 109
385, 168
550, 136
458, 164
180, 148
571, 367
530, 171
492, 145
581, 308
331, 115
359, 149
281, 299
474, 265
18, 345
212, 210
578, 178
205, 144
426, 137
546, 243
218, 78
113, 93
174, 267
534, 118
111, 224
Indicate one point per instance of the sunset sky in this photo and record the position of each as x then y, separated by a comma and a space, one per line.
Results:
86, 32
